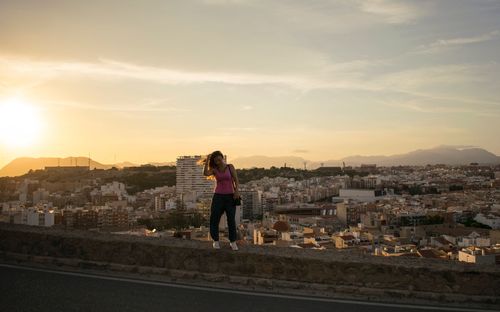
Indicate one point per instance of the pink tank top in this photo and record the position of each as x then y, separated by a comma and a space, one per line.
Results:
224, 181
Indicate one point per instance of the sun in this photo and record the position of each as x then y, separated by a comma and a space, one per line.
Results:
19, 123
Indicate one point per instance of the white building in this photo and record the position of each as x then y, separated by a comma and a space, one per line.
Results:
164, 203
490, 220
40, 195
114, 188
190, 178
473, 239
475, 255
358, 194
371, 181
349, 211
39, 217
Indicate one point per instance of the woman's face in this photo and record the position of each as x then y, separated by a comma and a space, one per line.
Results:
218, 160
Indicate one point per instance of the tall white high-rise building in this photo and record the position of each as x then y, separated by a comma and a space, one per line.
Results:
190, 178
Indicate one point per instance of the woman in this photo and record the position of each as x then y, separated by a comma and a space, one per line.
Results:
225, 192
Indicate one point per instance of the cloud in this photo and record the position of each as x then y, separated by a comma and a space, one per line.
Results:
393, 11
417, 82
107, 68
445, 44
441, 107
413, 79
144, 107
342, 76
335, 15
336, 75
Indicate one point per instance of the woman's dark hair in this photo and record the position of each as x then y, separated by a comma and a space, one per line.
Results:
211, 161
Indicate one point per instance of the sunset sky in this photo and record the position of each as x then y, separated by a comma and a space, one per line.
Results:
151, 80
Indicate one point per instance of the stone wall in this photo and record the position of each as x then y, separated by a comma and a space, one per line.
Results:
326, 267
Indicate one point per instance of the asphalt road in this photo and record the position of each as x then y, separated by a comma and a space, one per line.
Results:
32, 289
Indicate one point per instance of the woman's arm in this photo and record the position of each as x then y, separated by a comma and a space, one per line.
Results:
236, 182
206, 170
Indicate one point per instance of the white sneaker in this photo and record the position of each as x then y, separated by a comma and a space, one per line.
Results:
233, 245
216, 244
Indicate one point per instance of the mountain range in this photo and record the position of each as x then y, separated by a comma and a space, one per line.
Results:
22, 165
443, 154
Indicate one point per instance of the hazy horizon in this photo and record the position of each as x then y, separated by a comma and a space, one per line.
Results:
262, 160
322, 79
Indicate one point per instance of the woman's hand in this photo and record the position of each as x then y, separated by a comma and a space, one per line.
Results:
206, 162
236, 194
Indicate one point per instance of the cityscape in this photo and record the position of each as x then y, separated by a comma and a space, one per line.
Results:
445, 212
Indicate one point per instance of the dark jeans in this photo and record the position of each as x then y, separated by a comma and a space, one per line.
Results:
222, 203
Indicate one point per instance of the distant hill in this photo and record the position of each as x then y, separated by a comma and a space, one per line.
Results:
22, 165
125, 164
444, 154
